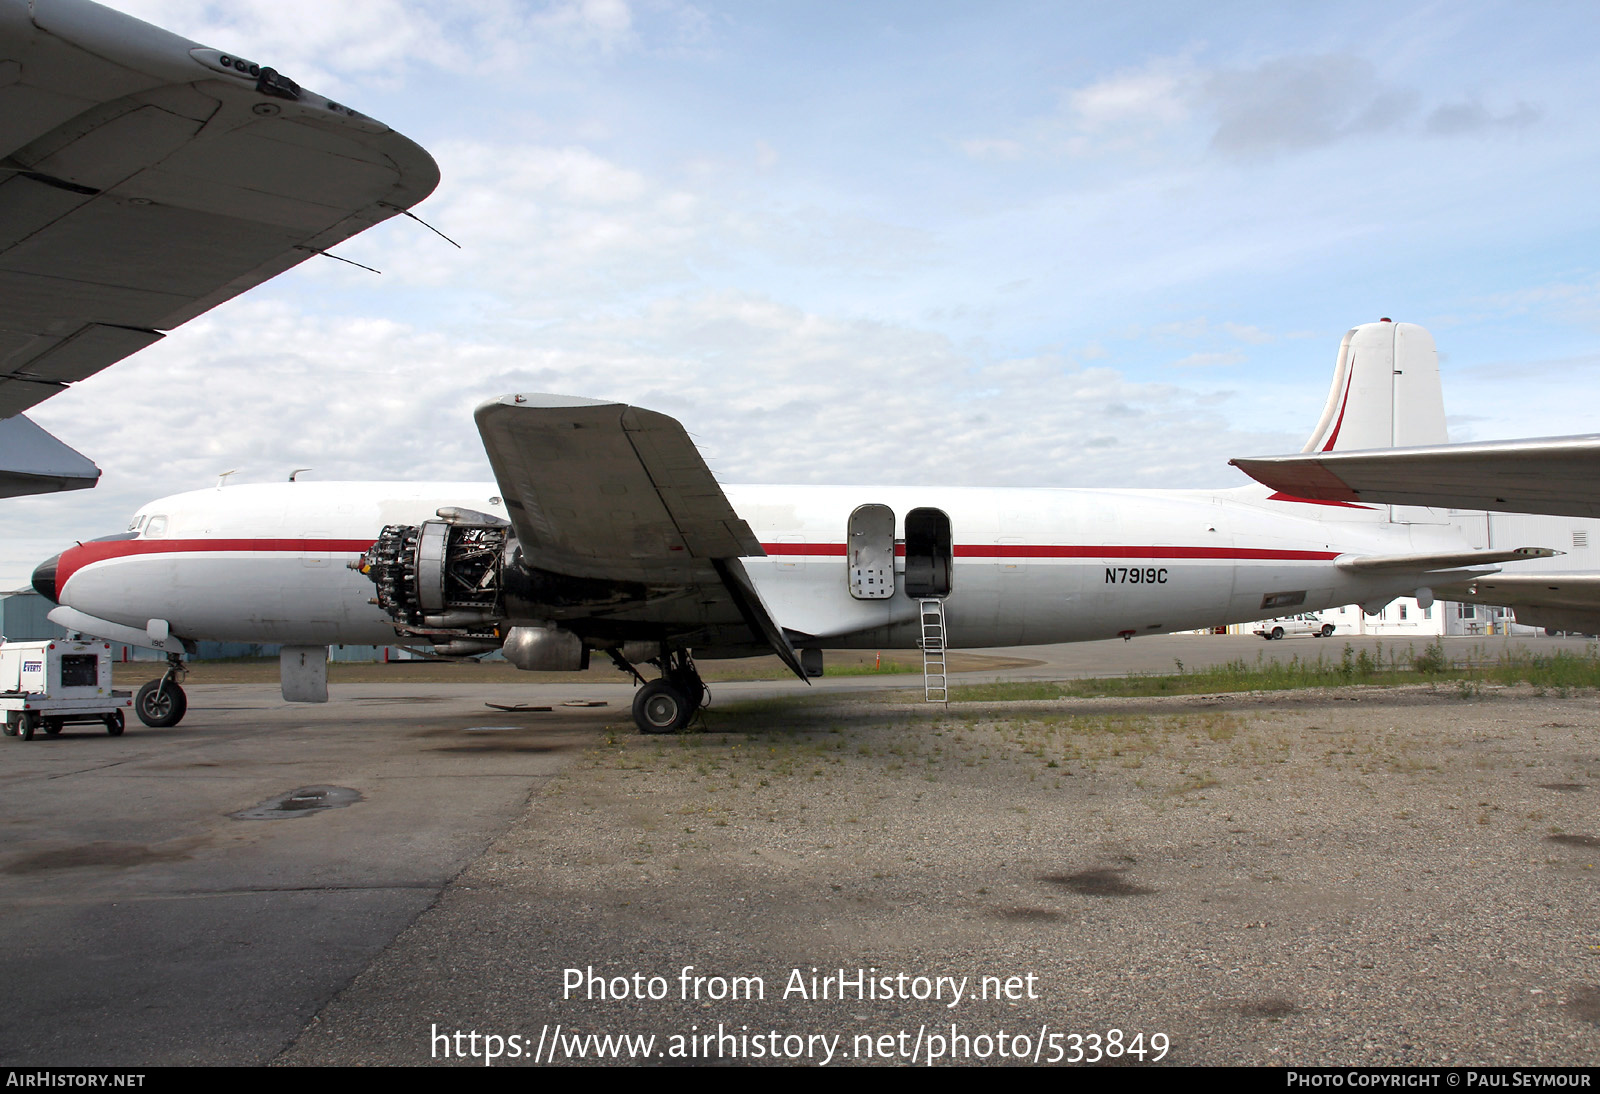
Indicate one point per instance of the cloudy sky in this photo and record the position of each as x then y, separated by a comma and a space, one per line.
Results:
1014, 244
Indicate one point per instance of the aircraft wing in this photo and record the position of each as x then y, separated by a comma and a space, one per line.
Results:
145, 179
619, 497
1553, 475
1567, 602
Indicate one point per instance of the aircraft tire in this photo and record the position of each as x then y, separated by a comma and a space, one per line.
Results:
115, 723
658, 707
160, 708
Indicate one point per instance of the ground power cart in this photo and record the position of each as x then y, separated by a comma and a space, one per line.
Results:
47, 685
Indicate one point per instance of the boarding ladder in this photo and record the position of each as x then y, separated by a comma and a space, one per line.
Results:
933, 668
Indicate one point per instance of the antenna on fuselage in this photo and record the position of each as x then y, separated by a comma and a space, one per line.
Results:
222, 479
297, 471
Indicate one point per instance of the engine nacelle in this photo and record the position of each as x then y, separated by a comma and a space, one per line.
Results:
545, 649
459, 583
442, 579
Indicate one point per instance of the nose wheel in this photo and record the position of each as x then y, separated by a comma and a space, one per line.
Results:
162, 703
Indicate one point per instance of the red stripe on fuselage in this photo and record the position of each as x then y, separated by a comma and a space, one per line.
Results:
1028, 550
76, 558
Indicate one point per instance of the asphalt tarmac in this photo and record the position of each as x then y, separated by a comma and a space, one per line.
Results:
337, 884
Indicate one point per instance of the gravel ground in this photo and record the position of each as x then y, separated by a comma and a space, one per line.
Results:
1342, 877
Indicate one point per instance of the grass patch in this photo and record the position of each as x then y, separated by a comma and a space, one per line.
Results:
1560, 670
887, 668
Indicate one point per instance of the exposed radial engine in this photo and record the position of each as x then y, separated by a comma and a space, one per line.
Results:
442, 580
456, 583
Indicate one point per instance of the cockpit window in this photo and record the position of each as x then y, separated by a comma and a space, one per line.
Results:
156, 528
138, 519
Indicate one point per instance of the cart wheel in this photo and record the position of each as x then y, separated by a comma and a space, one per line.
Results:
52, 726
10, 728
30, 722
115, 723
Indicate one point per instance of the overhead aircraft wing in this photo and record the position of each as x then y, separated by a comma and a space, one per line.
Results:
145, 179
1568, 602
1552, 475
619, 497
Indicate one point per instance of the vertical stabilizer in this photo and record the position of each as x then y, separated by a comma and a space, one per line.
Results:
1386, 391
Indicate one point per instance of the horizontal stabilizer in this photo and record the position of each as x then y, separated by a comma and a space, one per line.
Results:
1447, 560
1551, 475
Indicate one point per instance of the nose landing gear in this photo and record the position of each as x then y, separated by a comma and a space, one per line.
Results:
162, 703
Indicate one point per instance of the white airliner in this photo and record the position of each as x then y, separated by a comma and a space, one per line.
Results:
145, 179
605, 531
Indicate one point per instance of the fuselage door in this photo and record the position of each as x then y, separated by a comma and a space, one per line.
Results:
929, 553
870, 549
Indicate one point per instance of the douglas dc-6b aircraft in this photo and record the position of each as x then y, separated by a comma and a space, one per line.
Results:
604, 530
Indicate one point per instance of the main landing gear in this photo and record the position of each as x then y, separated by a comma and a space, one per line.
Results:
666, 705
162, 703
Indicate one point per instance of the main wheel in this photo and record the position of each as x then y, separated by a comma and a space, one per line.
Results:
1277, 632
115, 723
161, 706
658, 707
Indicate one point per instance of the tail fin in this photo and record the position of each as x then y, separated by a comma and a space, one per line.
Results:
1386, 391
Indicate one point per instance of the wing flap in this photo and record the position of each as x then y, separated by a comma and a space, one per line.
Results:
756, 615
693, 499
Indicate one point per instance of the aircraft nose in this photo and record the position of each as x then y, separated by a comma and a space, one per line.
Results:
44, 579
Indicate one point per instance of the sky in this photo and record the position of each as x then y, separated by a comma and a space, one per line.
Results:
1077, 245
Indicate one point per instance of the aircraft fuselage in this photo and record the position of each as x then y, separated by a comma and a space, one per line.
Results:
269, 563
